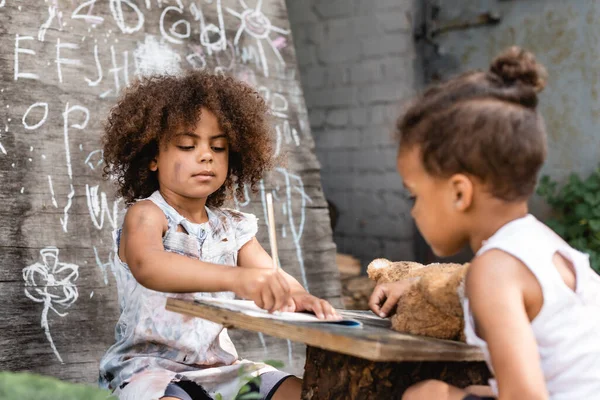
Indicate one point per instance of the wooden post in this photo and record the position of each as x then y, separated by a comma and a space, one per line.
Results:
330, 375
64, 64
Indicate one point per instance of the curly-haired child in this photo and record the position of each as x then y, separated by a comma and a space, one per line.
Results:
470, 152
178, 146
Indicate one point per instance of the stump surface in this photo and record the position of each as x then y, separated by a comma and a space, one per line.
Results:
330, 375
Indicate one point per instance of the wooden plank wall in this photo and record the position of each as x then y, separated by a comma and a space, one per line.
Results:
62, 65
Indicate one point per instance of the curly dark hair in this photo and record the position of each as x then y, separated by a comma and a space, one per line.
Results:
484, 123
151, 110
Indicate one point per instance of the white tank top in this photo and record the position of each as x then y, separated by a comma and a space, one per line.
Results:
567, 328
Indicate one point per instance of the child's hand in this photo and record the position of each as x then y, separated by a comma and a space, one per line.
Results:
308, 302
384, 298
266, 287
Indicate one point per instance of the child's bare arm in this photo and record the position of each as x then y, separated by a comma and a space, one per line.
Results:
497, 286
253, 255
153, 267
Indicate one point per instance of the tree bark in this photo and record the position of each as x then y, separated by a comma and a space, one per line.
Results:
330, 375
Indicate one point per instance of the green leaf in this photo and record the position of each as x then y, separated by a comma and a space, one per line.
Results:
590, 198
218, 396
574, 179
595, 224
583, 210
244, 389
250, 396
275, 363
576, 211
23, 385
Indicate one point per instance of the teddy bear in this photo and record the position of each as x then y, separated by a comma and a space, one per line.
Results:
431, 305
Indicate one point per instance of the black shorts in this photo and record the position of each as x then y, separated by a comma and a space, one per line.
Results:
188, 390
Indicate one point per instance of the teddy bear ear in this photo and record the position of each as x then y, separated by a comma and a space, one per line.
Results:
376, 268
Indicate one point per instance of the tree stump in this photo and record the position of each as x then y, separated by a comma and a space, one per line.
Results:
330, 375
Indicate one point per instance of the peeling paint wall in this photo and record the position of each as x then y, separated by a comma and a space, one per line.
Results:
564, 35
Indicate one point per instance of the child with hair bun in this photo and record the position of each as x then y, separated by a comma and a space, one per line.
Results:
470, 152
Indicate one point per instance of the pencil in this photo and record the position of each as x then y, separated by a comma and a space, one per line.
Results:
272, 236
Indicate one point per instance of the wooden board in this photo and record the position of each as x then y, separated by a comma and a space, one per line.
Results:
62, 65
375, 341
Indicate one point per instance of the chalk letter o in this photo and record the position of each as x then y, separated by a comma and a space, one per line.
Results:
41, 122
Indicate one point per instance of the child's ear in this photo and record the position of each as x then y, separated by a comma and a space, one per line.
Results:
153, 165
462, 191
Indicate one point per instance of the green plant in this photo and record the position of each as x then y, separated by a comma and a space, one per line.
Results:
247, 391
28, 386
576, 212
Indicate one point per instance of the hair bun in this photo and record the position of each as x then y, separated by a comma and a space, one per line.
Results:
518, 65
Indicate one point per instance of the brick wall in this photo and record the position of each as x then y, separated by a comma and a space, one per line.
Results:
358, 61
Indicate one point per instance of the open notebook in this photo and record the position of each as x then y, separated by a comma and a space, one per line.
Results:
249, 308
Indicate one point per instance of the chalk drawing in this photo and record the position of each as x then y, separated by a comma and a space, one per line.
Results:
294, 189
247, 75
116, 8
94, 159
227, 65
116, 69
67, 61
66, 126
105, 265
280, 42
173, 35
285, 133
206, 30
91, 19
41, 121
64, 220
196, 60
51, 283
44, 27
277, 102
19, 50
154, 57
68, 110
250, 54
261, 337
256, 24
99, 208
98, 68
2, 3
293, 192
279, 105
2, 149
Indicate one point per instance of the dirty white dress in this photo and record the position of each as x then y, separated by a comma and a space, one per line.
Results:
154, 346
567, 327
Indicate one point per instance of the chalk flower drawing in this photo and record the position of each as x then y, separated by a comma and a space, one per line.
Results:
51, 283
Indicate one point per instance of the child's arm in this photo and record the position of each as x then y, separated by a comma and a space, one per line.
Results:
253, 255
142, 249
500, 289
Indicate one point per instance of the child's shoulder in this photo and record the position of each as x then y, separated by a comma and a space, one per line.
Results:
145, 212
493, 270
